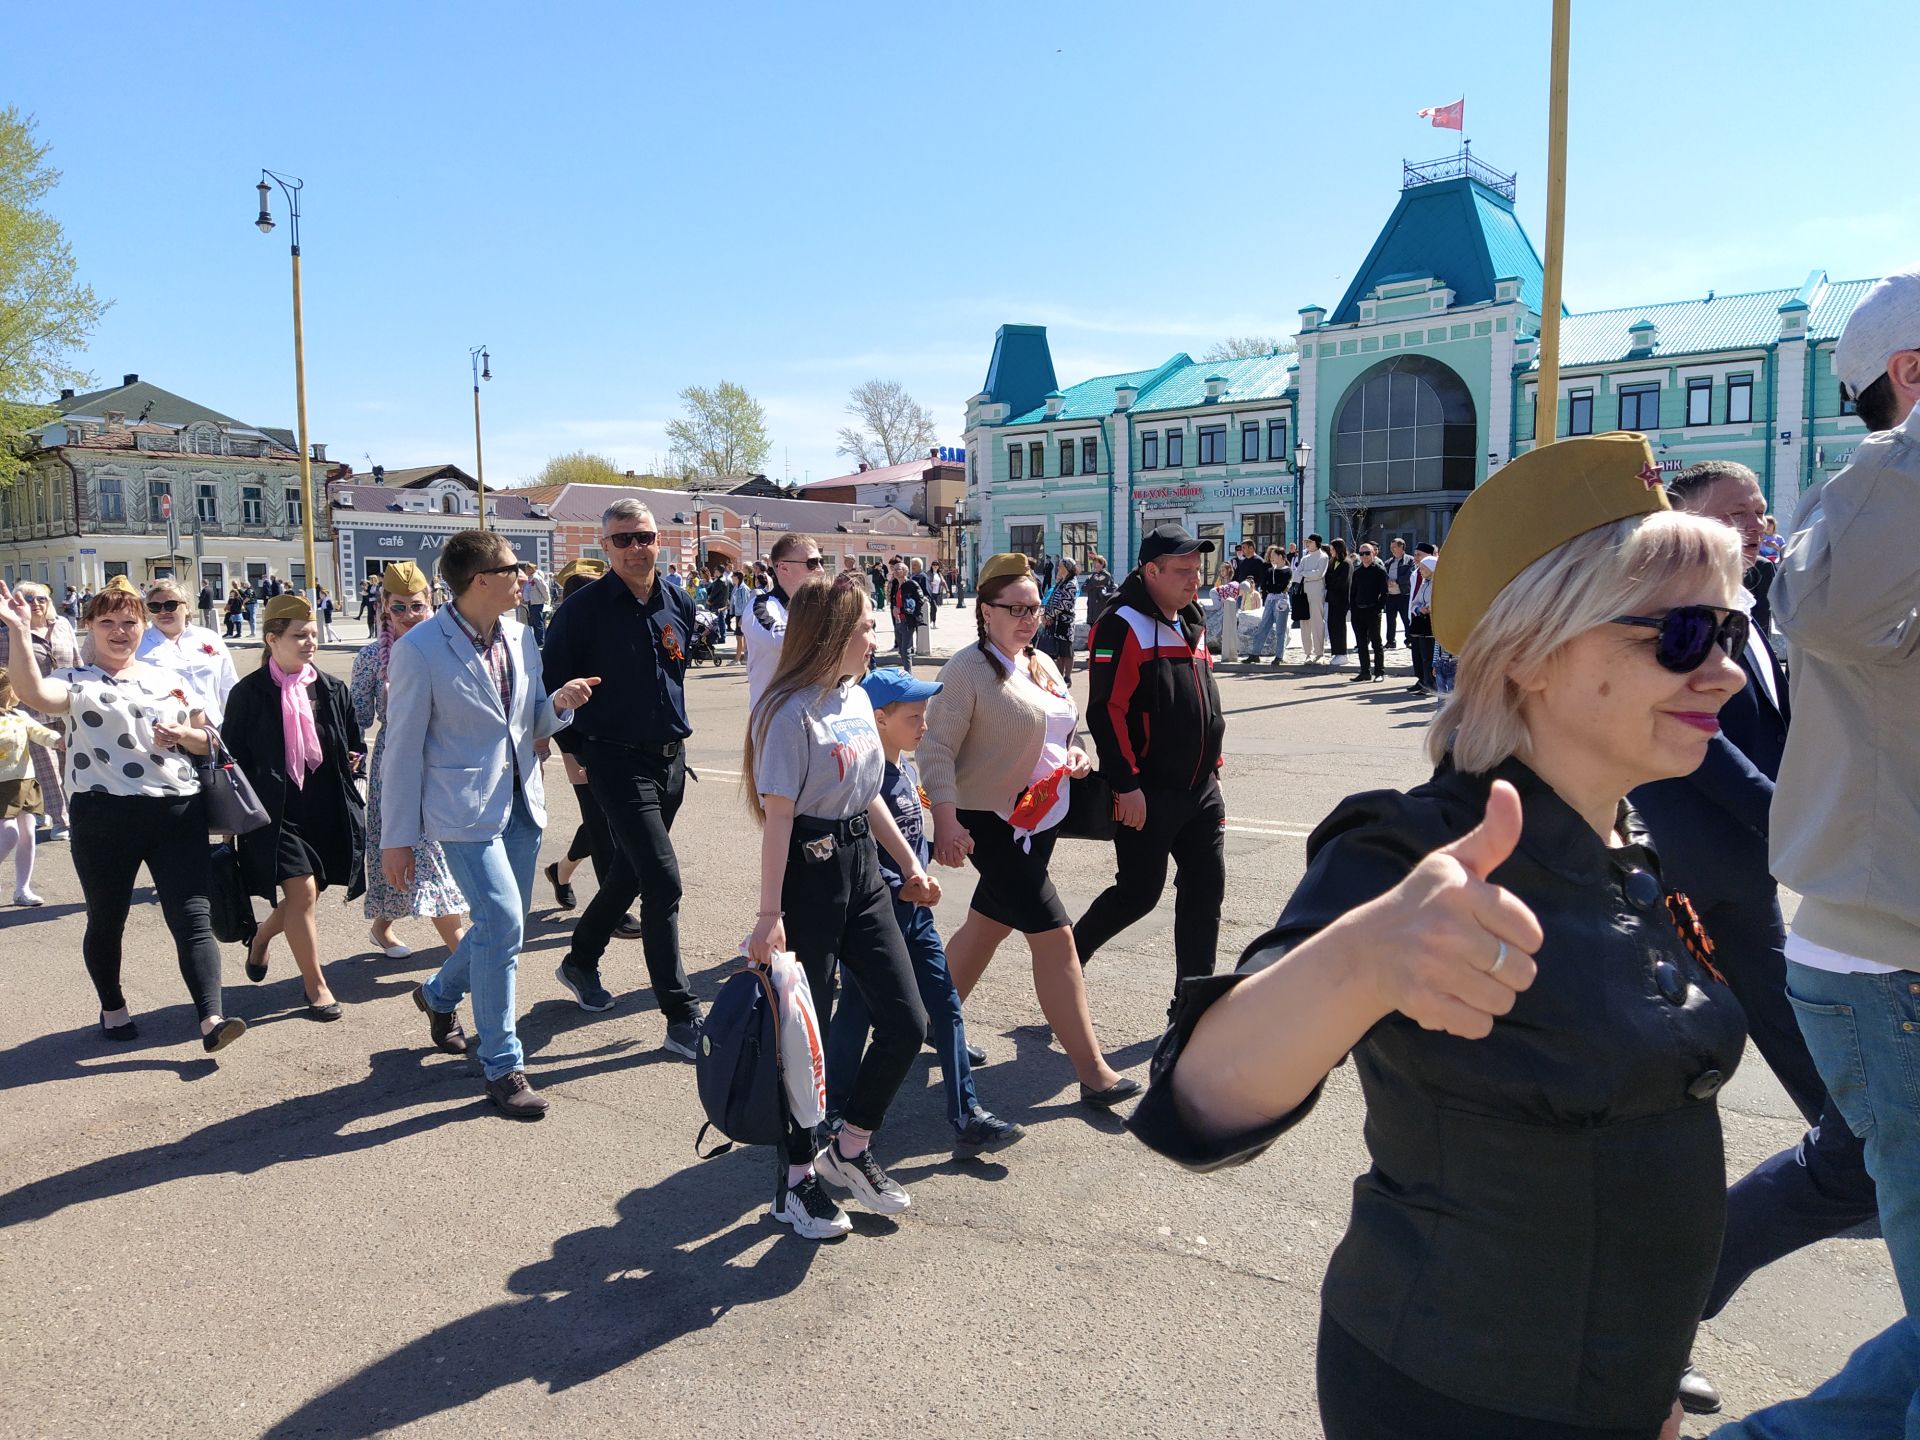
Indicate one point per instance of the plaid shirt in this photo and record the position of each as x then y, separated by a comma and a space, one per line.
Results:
493, 654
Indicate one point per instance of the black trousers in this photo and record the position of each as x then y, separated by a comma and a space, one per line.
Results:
639, 792
1366, 639
1186, 827
1819, 1187
1396, 612
112, 836
1420, 642
591, 837
1336, 626
839, 913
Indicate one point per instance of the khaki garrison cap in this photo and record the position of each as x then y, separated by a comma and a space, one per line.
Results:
287, 607
1532, 506
403, 577
1012, 563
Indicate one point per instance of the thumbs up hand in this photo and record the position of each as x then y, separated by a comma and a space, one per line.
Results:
1453, 949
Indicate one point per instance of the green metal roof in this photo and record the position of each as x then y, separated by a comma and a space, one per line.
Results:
1021, 371
1458, 231
160, 405
1180, 384
1087, 399
1719, 322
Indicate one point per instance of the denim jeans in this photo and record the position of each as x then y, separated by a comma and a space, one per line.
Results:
1864, 1032
1273, 617
496, 876
847, 1035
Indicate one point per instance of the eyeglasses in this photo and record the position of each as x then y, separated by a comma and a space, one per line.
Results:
812, 562
165, 607
1689, 633
513, 569
39, 600
417, 607
1018, 612
625, 538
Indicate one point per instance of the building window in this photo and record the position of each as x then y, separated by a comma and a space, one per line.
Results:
592, 552
206, 504
1078, 541
1579, 412
1267, 527
1405, 426
251, 510
1847, 407
1249, 442
293, 505
1016, 462
1027, 540
1700, 402
1089, 455
157, 491
1210, 560
713, 524
1639, 407
1276, 440
449, 505
1213, 444
1740, 400
1150, 450
1176, 449
1037, 459
1066, 457
113, 504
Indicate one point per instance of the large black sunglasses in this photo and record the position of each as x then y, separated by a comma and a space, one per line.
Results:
622, 539
1689, 633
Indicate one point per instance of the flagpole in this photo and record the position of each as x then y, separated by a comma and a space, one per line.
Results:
1547, 393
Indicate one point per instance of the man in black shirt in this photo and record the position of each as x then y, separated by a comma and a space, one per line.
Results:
1366, 599
631, 629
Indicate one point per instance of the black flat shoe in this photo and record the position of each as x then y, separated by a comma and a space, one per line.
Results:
563, 895
323, 1013
256, 969
1121, 1089
128, 1031
223, 1034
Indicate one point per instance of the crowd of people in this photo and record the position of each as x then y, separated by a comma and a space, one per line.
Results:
1545, 961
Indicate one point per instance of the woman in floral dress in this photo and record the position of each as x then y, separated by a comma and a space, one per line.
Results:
405, 600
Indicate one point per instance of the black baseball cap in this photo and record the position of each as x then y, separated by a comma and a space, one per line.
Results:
1165, 540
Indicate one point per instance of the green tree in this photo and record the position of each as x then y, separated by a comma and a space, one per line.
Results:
1246, 347
44, 315
583, 467
894, 427
722, 432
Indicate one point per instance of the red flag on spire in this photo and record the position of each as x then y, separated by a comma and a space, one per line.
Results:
1447, 117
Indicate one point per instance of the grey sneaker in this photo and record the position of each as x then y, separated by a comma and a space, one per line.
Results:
683, 1036
587, 990
862, 1176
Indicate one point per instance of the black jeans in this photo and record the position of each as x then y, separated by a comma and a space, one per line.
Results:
903, 637
537, 622
112, 835
1188, 828
1397, 611
639, 793
1420, 642
591, 838
839, 912
1336, 626
1366, 640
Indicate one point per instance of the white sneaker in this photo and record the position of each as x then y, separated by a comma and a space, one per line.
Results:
810, 1211
862, 1176
27, 898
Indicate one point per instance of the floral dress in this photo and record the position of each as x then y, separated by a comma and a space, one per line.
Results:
434, 891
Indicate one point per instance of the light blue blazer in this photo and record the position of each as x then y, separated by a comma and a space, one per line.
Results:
450, 753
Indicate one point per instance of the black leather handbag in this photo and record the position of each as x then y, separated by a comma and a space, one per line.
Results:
1089, 810
232, 806
230, 907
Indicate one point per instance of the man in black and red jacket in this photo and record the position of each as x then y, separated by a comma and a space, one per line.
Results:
1156, 723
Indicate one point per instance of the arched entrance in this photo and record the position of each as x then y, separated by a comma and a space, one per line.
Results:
1405, 446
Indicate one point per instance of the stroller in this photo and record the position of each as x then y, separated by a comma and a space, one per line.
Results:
709, 634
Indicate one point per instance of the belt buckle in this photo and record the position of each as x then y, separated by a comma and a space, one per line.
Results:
856, 826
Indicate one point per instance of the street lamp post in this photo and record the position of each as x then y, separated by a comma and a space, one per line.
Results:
1301, 454
482, 370
291, 187
754, 521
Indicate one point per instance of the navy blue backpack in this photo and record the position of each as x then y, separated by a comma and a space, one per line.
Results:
738, 1069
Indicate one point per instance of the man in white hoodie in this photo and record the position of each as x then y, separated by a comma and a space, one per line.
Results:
1846, 814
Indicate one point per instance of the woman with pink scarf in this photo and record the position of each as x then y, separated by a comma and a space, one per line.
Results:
292, 729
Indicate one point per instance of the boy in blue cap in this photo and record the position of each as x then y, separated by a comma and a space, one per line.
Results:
900, 717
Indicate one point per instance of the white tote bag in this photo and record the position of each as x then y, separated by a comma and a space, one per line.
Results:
803, 1061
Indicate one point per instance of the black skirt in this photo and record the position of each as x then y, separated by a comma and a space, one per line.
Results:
1014, 888
304, 818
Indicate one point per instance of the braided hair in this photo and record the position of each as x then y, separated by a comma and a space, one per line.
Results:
984, 596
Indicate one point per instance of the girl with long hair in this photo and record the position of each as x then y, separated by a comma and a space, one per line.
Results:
814, 767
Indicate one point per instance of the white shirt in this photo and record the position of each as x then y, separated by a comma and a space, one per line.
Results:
1062, 719
1818, 957
200, 658
765, 625
111, 748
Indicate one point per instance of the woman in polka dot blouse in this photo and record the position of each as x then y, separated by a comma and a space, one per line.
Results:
134, 799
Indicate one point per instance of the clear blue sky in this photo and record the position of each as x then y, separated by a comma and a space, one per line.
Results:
622, 200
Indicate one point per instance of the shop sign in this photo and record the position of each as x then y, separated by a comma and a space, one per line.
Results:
1225, 492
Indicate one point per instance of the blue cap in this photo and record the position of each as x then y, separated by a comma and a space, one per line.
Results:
894, 686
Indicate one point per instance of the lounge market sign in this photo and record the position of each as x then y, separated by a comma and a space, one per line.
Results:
1224, 492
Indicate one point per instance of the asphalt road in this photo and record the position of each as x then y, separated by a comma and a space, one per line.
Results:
330, 1233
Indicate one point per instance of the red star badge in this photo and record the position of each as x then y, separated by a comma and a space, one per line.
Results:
1650, 476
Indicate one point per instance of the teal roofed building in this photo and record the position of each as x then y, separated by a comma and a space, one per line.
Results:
1392, 407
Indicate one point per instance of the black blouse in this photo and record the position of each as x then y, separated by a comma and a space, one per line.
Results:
1544, 1212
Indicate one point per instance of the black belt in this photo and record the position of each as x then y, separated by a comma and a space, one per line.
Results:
854, 827
665, 752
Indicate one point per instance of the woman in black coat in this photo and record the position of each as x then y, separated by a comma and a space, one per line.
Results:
1339, 586
1530, 1249
288, 720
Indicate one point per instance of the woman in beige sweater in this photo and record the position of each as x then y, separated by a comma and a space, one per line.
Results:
998, 760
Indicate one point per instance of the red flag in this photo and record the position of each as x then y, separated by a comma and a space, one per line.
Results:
1447, 117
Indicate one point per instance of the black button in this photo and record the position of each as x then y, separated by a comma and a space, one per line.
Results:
1706, 1086
1673, 985
1643, 890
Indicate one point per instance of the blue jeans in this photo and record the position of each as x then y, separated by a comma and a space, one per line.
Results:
1273, 616
847, 1035
1864, 1032
496, 876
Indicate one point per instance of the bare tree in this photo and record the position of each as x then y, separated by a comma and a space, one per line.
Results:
1351, 513
894, 427
723, 432
1246, 347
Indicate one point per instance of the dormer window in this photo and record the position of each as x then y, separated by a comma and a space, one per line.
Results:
1055, 402
449, 505
1642, 336
1216, 386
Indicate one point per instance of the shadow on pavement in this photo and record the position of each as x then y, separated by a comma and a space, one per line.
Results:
678, 1260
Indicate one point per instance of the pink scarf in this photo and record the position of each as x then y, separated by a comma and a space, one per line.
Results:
296, 722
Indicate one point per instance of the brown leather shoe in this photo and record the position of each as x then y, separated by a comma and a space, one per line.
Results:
446, 1031
516, 1098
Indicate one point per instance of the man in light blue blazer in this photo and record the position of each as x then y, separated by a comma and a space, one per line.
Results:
465, 704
